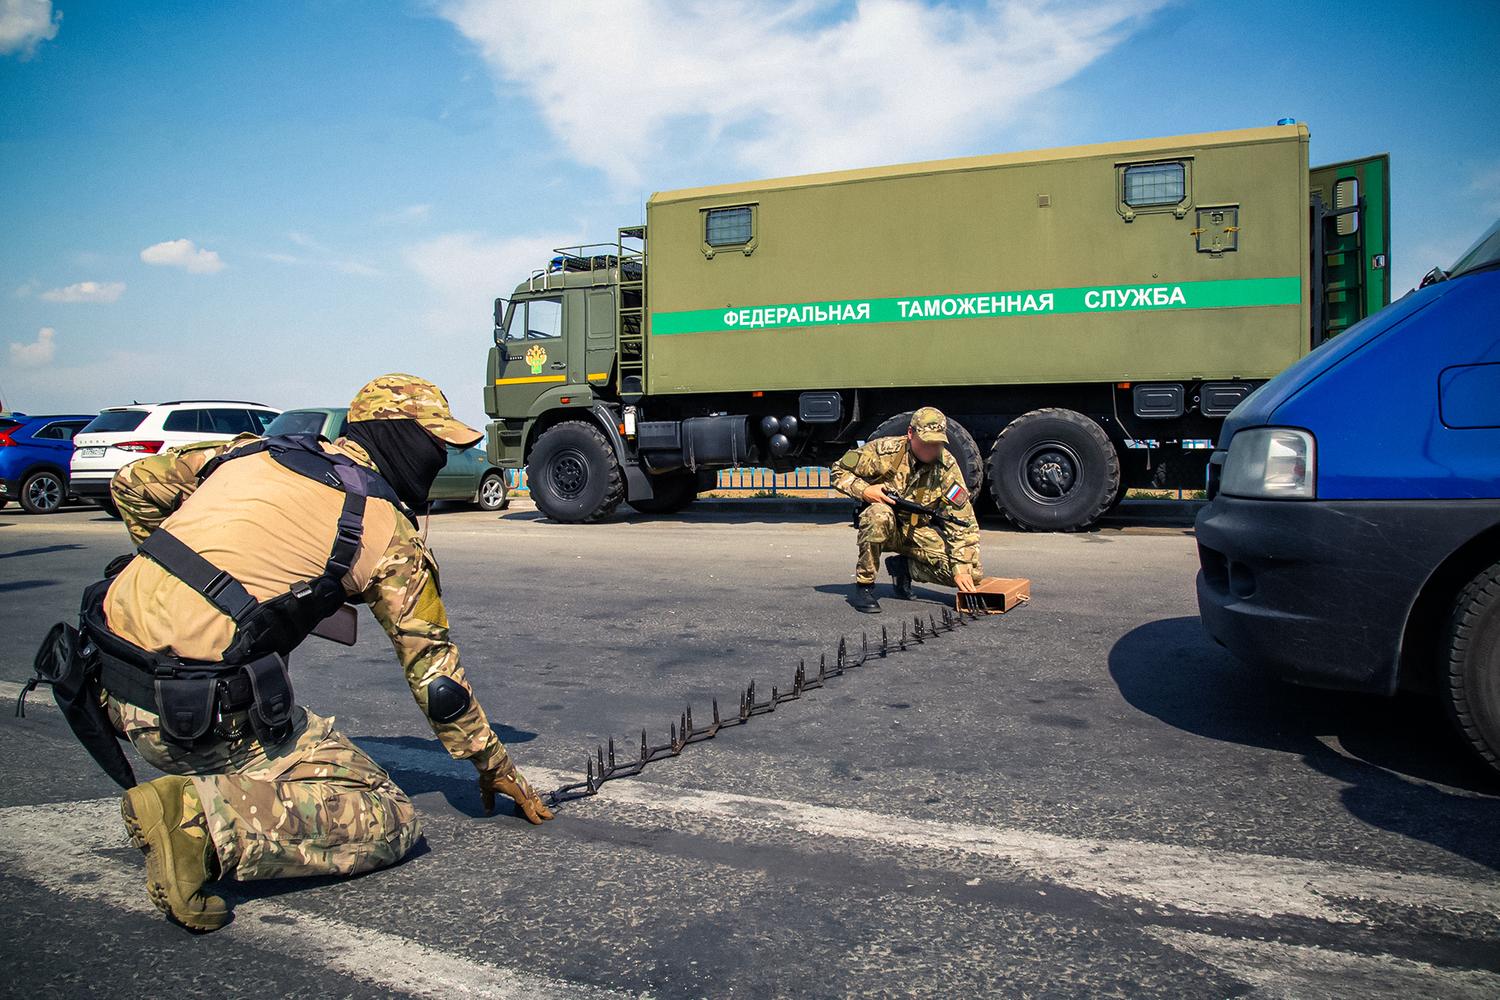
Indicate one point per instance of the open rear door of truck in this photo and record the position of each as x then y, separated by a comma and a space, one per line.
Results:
1350, 217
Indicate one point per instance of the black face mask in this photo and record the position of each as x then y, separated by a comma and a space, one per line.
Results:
407, 455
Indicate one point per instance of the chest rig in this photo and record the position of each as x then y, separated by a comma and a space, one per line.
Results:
192, 697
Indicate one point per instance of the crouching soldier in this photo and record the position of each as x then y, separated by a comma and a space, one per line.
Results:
915, 467
244, 548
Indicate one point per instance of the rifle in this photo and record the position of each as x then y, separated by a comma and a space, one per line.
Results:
935, 514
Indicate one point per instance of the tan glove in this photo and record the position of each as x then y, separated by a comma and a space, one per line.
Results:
503, 777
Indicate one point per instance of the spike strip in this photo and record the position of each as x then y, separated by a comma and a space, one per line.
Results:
603, 765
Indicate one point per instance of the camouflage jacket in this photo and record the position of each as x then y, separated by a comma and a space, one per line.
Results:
402, 588
888, 462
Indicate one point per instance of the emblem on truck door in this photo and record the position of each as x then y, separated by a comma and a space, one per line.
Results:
536, 357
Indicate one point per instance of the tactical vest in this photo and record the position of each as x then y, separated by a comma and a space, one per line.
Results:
190, 696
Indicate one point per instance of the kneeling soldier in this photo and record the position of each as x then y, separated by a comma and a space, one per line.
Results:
917, 467
243, 549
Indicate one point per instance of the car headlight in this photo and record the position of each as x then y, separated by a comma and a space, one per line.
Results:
1271, 463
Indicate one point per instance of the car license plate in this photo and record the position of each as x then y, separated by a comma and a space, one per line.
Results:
91, 452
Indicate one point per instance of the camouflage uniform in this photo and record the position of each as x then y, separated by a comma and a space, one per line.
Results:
313, 803
933, 556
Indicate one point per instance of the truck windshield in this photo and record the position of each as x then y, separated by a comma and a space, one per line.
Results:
1485, 253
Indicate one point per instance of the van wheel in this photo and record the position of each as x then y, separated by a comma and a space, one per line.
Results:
42, 493
961, 445
673, 491
493, 494
1473, 663
1054, 470
574, 475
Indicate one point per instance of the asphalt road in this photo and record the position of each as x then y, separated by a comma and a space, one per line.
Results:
1084, 797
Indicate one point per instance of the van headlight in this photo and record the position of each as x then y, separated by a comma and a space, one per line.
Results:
1271, 463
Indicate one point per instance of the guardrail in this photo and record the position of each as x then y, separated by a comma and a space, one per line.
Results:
811, 477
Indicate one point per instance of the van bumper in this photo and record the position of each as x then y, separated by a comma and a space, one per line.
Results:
1319, 592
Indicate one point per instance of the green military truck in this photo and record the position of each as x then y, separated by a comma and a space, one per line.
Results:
1083, 315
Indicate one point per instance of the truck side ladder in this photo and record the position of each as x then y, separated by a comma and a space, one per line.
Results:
630, 306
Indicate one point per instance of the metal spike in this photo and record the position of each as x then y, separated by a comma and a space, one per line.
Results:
600, 751
864, 647
611, 753
932, 625
645, 752
716, 712
902, 644
841, 652
689, 724
885, 642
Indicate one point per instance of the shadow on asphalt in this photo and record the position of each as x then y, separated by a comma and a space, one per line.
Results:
460, 788
1171, 670
40, 551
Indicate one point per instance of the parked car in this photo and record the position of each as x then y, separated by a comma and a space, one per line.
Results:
34, 455
468, 474
122, 434
1353, 536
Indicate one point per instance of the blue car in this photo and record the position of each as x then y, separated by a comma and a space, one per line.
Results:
1353, 536
34, 457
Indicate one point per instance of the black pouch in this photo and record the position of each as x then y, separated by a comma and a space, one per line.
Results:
186, 706
68, 662
271, 685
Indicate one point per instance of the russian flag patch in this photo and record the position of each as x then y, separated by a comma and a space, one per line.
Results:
956, 495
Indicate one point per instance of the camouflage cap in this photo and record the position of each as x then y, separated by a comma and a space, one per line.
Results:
930, 425
406, 397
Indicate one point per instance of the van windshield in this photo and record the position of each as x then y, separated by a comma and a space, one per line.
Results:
1485, 253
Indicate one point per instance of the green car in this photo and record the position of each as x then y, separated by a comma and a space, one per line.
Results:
467, 476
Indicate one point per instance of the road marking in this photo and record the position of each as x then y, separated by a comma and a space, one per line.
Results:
1295, 971
57, 845
1195, 880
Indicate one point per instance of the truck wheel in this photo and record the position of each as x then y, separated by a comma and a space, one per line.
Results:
1473, 662
961, 445
1054, 470
42, 493
492, 493
574, 475
673, 492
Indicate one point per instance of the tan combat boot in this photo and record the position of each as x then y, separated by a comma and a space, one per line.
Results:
165, 819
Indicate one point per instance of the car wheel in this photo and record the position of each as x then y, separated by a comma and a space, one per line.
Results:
493, 493
574, 475
961, 445
671, 493
42, 493
1054, 470
1473, 663
107, 504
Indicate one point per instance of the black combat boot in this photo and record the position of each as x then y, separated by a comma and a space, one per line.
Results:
900, 576
863, 599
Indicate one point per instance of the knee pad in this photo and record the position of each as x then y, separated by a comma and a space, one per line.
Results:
446, 699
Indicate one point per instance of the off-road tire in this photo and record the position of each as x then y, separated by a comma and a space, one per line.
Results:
1472, 662
961, 445
1049, 437
43, 493
672, 492
574, 475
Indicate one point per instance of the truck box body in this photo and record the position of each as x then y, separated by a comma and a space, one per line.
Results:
1018, 268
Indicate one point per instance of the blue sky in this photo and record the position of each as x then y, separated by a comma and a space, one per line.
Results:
278, 201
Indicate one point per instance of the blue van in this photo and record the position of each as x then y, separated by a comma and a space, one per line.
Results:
1352, 538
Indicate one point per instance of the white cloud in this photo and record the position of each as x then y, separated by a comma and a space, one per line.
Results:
466, 272
184, 254
406, 214
322, 256
779, 88
25, 289
86, 291
37, 353
25, 24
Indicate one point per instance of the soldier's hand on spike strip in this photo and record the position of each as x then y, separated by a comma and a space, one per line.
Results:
965, 581
508, 781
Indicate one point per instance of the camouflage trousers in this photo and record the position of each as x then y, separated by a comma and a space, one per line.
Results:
930, 556
313, 804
